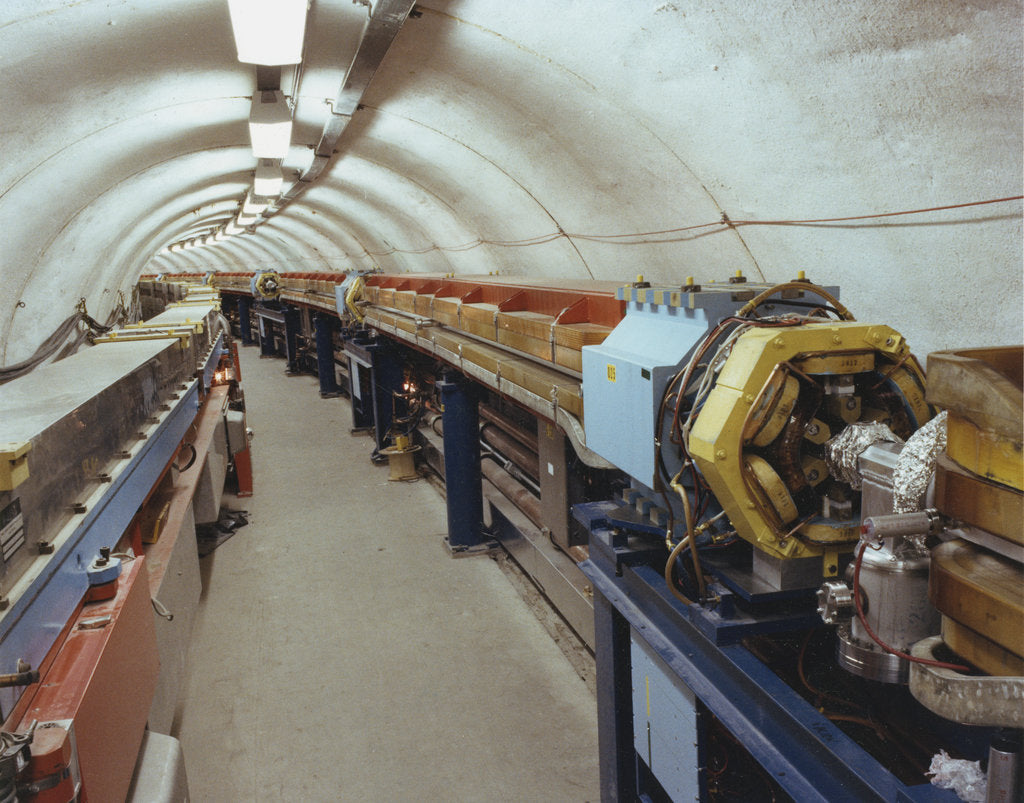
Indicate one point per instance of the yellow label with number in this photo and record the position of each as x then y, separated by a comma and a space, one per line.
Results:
611, 373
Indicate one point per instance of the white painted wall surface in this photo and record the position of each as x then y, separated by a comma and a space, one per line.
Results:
125, 130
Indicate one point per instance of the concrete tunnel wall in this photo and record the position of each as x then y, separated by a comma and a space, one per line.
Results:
559, 124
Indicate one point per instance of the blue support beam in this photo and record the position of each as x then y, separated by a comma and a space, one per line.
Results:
324, 325
244, 320
387, 377
461, 421
809, 757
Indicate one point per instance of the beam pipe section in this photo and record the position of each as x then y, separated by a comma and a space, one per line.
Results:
461, 423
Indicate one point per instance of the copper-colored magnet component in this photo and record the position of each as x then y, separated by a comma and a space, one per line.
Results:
996, 508
980, 590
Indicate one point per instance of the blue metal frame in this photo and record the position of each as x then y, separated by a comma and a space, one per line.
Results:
806, 754
324, 325
464, 494
244, 320
266, 317
386, 379
360, 397
29, 629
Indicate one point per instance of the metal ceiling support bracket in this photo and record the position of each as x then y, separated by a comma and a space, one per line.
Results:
382, 26
267, 78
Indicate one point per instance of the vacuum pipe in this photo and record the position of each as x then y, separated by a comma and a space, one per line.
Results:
513, 491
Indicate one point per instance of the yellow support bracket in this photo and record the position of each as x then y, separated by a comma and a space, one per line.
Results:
13, 464
195, 327
197, 302
183, 336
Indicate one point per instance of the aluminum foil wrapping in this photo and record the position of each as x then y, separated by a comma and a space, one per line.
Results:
962, 776
916, 464
842, 451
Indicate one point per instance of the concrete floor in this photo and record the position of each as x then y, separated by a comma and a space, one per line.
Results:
340, 654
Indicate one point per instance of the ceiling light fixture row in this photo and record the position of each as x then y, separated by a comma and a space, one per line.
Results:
268, 33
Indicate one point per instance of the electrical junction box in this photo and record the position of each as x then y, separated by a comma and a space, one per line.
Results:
625, 377
238, 440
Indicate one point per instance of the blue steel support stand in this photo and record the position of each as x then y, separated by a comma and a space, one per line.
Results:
360, 397
809, 757
615, 709
324, 325
244, 324
291, 340
386, 375
462, 478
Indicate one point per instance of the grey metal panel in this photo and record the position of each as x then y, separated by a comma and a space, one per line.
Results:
554, 482
160, 775
664, 723
179, 593
210, 488
624, 379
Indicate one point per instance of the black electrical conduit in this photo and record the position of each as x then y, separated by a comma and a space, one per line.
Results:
46, 350
60, 336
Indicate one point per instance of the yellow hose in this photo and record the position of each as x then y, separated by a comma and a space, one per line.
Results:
688, 515
668, 571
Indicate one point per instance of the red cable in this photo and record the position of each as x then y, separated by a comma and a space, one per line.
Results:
877, 640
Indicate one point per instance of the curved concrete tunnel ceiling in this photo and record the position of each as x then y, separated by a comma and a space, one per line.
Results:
554, 141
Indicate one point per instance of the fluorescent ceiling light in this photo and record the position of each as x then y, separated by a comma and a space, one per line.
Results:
270, 125
254, 204
231, 228
268, 31
268, 178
